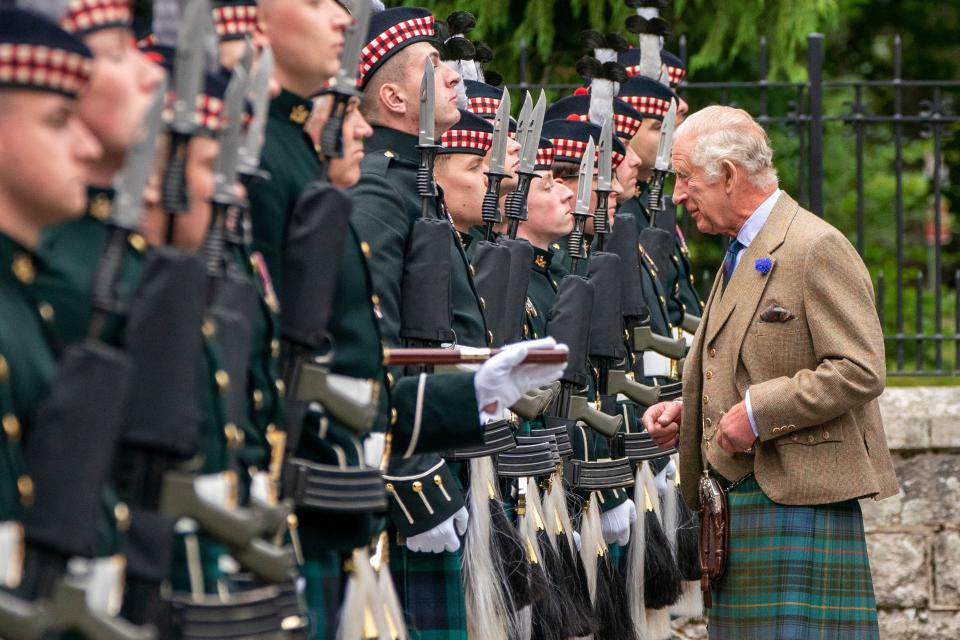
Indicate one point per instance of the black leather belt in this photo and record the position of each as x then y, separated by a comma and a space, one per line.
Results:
497, 438
638, 446
599, 474
244, 616
537, 459
338, 489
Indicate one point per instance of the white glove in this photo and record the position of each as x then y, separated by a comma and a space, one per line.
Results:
443, 537
615, 523
503, 379
669, 472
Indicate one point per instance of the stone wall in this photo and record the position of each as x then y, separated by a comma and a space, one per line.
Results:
914, 538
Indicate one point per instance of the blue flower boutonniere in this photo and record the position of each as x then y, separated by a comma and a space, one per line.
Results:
763, 265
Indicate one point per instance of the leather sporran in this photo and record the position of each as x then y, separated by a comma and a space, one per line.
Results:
714, 534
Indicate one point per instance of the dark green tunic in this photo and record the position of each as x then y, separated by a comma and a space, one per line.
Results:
28, 362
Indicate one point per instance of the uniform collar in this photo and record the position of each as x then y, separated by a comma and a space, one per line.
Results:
401, 145
290, 107
542, 259
17, 261
757, 219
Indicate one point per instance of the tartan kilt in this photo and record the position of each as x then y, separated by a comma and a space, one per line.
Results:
430, 588
325, 583
794, 572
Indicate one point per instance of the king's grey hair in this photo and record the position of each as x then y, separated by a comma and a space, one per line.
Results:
724, 133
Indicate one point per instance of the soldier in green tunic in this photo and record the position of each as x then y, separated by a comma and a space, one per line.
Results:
44, 147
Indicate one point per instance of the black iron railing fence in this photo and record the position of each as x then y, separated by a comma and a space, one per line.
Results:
870, 156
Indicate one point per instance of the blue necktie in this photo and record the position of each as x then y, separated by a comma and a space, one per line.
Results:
730, 260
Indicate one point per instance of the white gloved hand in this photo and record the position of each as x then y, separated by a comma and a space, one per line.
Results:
669, 472
443, 537
615, 523
503, 379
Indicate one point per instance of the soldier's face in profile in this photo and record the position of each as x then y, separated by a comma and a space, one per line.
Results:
121, 87
345, 172
463, 180
627, 174
45, 151
307, 39
549, 208
191, 229
645, 144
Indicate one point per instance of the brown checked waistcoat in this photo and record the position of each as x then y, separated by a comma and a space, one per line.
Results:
813, 379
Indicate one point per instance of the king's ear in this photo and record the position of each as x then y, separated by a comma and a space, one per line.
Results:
729, 172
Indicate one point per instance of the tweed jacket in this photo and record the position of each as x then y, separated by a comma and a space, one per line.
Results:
814, 379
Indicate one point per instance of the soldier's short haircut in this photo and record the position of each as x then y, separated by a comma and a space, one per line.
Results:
392, 71
563, 170
725, 133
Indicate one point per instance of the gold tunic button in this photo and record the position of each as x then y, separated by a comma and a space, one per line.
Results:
706, 399
708, 422
390, 379
365, 249
489, 337
708, 375
275, 348
208, 329
4, 369
281, 387
11, 426
393, 417
473, 271
138, 242
45, 311
223, 380
483, 304
121, 513
713, 353
25, 488
23, 268
233, 435
257, 399
826, 435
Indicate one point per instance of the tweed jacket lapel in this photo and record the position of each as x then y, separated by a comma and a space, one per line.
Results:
746, 287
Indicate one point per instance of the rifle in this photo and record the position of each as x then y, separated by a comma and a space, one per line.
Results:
528, 130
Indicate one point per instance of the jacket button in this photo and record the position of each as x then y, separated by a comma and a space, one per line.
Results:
810, 439
708, 422
713, 353
708, 375
706, 399
826, 435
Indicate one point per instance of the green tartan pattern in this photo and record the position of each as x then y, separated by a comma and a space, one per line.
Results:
325, 582
430, 587
794, 572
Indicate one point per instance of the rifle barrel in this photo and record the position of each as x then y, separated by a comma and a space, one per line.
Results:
426, 356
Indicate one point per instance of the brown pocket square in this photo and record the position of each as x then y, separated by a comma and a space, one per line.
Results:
776, 313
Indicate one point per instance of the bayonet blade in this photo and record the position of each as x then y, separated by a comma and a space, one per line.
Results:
226, 176
531, 140
585, 180
260, 96
605, 153
346, 79
130, 183
501, 127
428, 135
666, 138
526, 109
189, 64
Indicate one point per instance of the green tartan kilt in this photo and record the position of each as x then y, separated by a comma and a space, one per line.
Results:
794, 572
325, 583
430, 588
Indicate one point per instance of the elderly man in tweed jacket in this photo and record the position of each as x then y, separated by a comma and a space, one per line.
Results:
780, 395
